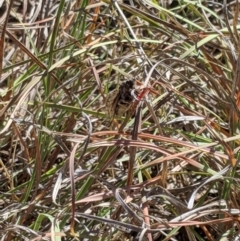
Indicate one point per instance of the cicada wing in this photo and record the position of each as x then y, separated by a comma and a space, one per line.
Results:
111, 102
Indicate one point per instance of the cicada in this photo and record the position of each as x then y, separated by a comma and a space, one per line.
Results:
120, 99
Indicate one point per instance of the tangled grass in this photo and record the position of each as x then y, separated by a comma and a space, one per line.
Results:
170, 172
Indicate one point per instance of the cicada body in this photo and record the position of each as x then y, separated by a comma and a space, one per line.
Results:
120, 100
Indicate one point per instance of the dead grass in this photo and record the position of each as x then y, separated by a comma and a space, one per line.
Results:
170, 172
